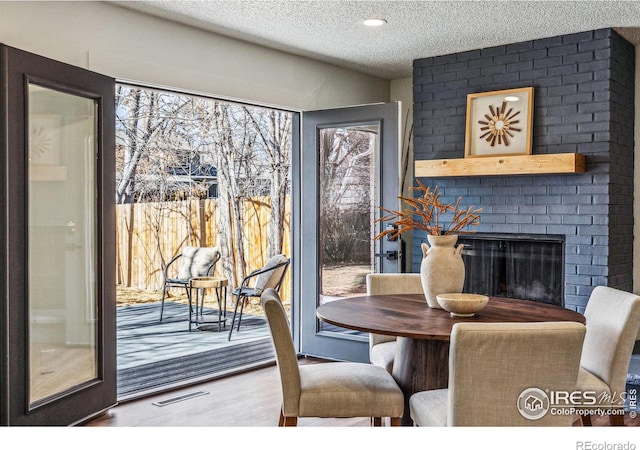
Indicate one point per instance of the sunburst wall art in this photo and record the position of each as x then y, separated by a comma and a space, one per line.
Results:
499, 123
44, 139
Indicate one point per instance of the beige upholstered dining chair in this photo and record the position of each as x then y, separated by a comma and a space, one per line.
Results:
613, 318
382, 348
334, 389
491, 366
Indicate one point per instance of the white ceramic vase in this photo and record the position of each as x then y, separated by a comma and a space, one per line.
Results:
442, 268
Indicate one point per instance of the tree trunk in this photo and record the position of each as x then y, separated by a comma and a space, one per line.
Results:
224, 240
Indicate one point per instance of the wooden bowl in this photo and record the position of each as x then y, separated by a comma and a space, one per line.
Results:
461, 304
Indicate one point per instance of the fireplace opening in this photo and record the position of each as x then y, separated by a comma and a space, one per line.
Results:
522, 266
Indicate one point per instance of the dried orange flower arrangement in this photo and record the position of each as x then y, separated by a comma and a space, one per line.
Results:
425, 213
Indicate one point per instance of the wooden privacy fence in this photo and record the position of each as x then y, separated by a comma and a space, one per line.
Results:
150, 234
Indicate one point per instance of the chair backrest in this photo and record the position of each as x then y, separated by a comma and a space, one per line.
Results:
394, 283
492, 364
272, 278
196, 261
391, 283
286, 357
613, 318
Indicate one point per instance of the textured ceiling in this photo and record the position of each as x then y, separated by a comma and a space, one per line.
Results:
332, 30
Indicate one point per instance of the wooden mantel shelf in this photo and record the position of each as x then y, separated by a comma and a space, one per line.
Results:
558, 163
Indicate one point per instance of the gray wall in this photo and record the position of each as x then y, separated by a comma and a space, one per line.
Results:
583, 102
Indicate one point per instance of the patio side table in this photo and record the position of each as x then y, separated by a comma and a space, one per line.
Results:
200, 284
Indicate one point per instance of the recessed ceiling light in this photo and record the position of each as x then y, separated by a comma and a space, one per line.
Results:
374, 22
511, 98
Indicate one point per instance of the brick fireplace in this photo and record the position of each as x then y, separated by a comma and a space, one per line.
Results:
524, 266
583, 102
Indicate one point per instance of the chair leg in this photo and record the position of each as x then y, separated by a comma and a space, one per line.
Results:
395, 421
241, 310
290, 422
233, 319
164, 291
188, 291
287, 421
586, 420
616, 420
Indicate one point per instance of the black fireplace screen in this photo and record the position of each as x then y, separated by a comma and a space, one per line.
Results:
529, 267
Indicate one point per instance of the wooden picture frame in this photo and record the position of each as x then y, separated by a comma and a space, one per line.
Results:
499, 123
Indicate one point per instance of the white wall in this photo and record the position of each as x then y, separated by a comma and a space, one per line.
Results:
402, 90
128, 45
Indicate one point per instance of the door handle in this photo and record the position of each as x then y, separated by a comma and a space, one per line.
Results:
388, 254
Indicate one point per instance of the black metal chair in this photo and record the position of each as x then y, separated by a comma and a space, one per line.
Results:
195, 262
270, 275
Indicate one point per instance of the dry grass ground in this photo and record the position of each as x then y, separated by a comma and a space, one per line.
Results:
344, 280
338, 280
129, 296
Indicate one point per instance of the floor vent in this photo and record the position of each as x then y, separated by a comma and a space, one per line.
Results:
180, 398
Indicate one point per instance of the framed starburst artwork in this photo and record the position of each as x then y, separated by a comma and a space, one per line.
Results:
44, 139
499, 123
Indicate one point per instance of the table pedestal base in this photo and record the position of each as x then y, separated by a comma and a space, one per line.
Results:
420, 365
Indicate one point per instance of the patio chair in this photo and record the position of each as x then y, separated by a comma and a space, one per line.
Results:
194, 262
269, 276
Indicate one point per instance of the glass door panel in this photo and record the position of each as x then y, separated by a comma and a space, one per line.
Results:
58, 259
61, 239
348, 199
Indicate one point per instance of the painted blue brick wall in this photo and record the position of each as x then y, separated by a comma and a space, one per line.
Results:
583, 102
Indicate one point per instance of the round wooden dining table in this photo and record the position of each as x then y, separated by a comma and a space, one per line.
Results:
423, 333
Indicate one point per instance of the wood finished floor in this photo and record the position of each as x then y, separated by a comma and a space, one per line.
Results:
250, 399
